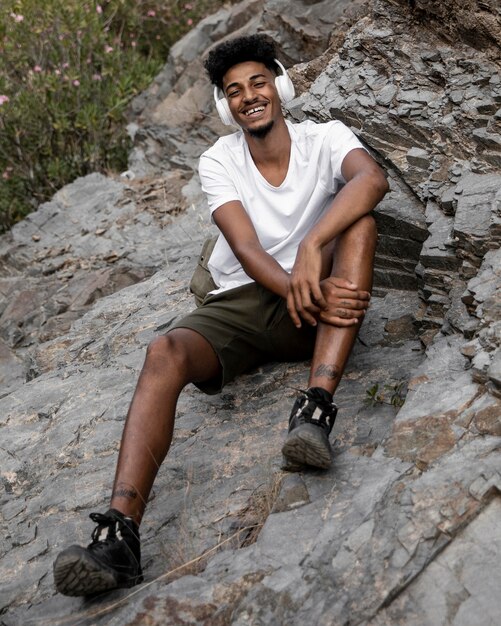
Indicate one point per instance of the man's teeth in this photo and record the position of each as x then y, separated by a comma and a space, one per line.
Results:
255, 110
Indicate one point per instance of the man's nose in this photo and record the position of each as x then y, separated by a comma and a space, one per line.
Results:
249, 94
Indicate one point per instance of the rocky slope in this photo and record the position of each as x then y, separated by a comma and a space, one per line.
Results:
404, 528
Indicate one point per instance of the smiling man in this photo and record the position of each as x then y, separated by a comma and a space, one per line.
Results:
293, 273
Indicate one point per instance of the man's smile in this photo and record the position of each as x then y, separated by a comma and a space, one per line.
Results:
254, 111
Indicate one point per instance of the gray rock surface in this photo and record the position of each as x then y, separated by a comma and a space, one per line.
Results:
404, 528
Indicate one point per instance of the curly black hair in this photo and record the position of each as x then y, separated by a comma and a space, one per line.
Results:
239, 50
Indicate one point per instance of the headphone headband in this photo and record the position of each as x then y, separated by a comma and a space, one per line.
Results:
283, 84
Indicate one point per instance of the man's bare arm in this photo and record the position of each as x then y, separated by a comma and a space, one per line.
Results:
238, 230
365, 186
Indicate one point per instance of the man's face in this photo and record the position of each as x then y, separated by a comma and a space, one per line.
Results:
252, 97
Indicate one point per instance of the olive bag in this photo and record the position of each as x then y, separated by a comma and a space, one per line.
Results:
202, 282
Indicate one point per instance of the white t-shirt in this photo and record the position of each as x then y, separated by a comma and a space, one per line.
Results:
281, 215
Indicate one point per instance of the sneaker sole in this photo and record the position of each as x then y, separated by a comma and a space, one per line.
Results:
77, 573
288, 465
303, 447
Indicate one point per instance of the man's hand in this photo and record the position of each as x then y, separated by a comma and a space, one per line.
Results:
346, 304
343, 304
305, 298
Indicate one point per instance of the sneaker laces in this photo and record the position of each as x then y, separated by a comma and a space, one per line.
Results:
316, 407
113, 531
106, 529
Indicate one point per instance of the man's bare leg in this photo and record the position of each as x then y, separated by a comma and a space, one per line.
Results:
351, 257
172, 361
113, 558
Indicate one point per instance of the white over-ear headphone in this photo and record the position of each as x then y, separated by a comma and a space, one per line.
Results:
284, 87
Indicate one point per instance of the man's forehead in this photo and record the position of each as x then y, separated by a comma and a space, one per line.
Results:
245, 71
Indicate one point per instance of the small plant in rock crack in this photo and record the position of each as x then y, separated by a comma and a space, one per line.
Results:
393, 395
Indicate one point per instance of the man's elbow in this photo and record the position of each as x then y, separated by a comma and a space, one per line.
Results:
245, 252
380, 182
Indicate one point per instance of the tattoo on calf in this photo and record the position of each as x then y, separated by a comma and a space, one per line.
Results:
124, 491
329, 371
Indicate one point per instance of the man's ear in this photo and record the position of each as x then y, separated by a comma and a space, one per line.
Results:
223, 108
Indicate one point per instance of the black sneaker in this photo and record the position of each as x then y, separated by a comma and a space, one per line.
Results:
310, 424
112, 560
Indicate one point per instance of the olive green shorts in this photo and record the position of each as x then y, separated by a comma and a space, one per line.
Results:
247, 326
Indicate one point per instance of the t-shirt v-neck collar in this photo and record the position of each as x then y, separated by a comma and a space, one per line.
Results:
289, 169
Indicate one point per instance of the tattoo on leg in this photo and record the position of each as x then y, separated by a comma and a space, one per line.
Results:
329, 371
123, 490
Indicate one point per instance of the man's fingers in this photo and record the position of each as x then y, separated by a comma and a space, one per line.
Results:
291, 307
318, 297
305, 306
301, 306
334, 320
352, 303
364, 296
347, 314
330, 288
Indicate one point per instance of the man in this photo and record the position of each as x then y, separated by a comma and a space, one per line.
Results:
293, 270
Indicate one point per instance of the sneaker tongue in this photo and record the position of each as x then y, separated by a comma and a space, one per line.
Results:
319, 394
316, 415
104, 531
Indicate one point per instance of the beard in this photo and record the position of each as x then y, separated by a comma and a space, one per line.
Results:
260, 133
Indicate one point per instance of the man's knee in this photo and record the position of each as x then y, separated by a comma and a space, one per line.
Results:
364, 229
167, 349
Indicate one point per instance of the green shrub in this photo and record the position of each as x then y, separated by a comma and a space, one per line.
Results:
67, 72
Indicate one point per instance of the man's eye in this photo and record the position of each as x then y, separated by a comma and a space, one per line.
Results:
232, 93
259, 84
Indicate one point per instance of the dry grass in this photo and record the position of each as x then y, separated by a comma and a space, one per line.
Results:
247, 524
259, 506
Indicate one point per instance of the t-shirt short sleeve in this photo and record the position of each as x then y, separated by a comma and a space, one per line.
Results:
340, 140
216, 182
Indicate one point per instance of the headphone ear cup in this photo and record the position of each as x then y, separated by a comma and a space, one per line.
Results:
223, 108
283, 84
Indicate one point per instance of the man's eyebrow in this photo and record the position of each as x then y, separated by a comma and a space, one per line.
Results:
236, 83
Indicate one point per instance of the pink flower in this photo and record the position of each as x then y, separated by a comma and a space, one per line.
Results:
76, 83
108, 49
188, 6
17, 17
99, 8
66, 65
133, 44
6, 173
96, 76
4, 99
57, 72
189, 21
37, 69
151, 13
